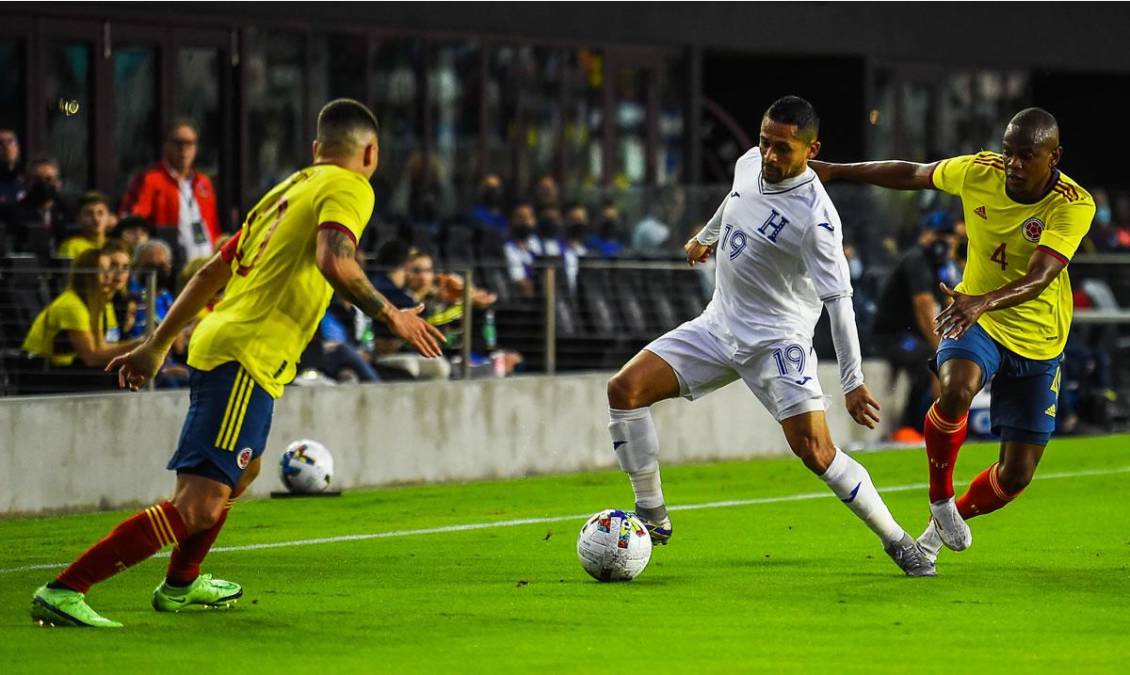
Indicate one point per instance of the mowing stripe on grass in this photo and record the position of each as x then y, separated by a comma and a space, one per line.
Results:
466, 527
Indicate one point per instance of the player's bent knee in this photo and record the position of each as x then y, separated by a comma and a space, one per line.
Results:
956, 398
1015, 477
814, 451
200, 516
624, 393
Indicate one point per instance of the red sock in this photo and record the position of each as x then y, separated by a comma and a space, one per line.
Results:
129, 543
184, 565
984, 495
944, 437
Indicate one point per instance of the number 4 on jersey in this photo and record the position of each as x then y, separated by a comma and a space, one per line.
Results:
998, 256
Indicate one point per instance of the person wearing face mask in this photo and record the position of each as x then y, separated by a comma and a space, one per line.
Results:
516, 250
154, 256
904, 323
40, 219
488, 213
607, 241
1104, 235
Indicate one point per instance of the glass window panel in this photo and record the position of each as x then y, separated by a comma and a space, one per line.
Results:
136, 136
276, 90
13, 89
524, 96
398, 93
584, 123
198, 99
631, 127
670, 161
338, 64
454, 76
67, 98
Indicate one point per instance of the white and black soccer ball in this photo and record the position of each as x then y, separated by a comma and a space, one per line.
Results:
306, 466
614, 546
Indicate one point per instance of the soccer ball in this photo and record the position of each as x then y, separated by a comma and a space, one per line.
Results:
614, 546
306, 466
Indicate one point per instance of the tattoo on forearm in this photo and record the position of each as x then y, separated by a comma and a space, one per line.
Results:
341, 245
357, 290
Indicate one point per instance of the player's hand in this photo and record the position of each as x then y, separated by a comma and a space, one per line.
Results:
697, 252
862, 406
962, 313
823, 169
408, 326
139, 365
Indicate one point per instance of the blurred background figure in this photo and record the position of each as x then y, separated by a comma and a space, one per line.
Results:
175, 198
94, 219
904, 322
11, 171
488, 210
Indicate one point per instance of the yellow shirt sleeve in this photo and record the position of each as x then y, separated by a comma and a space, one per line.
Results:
346, 201
1067, 226
949, 174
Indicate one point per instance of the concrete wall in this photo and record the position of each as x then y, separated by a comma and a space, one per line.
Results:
106, 451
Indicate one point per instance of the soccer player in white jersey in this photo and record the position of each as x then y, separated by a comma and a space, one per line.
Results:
778, 244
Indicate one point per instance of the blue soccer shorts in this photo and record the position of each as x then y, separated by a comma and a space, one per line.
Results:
229, 417
1024, 390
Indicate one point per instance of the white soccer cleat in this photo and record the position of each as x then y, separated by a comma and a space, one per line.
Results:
951, 527
930, 541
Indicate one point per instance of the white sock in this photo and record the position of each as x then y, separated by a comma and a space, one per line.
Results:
852, 484
637, 448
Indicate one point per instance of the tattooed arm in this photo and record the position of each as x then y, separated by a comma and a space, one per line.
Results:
336, 258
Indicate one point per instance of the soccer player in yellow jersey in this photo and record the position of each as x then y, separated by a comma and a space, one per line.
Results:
277, 274
1008, 319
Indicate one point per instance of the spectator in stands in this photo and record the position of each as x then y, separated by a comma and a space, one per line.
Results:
175, 198
904, 323
519, 258
546, 195
71, 331
389, 351
342, 357
652, 235
124, 304
11, 173
40, 219
547, 240
134, 231
607, 241
1103, 235
94, 220
154, 257
577, 229
488, 213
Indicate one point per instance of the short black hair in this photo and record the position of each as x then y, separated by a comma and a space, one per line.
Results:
342, 125
795, 110
392, 254
94, 197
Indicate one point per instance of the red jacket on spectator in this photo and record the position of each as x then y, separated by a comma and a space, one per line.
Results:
153, 194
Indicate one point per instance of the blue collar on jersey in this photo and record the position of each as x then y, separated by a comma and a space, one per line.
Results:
786, 185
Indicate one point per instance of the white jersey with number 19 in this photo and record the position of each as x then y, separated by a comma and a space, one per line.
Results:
779, 257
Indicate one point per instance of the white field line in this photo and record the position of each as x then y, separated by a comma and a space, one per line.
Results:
803, 496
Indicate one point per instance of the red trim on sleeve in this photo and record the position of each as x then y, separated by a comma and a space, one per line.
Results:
331, 225
228, 251
1054, 253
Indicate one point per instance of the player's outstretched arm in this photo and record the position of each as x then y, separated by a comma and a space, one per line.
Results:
964, 310
140, 364
896, 175
337, 260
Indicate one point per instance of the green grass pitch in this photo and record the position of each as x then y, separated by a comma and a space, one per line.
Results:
780, 585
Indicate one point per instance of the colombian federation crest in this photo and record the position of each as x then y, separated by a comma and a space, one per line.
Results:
243, 458
1032, 229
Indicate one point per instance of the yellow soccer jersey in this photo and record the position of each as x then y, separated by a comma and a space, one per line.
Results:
276, 296
65, 313
1003, 234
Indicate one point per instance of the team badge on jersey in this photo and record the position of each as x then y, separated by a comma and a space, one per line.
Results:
244, 458
980, 210
1032, 229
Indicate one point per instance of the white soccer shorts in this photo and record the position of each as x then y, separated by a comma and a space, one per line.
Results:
781, 374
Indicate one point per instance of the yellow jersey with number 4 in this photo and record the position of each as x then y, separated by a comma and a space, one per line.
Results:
1003, 235
277, 295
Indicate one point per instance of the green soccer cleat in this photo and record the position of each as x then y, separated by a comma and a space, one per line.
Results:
61, 607
204, 591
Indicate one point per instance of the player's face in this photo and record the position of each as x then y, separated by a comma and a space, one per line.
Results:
1028, 161
783, 154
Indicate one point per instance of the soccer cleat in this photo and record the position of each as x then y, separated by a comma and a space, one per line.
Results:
951, 527
657, 522
61, 607
910, 557
930, 541
203, 591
